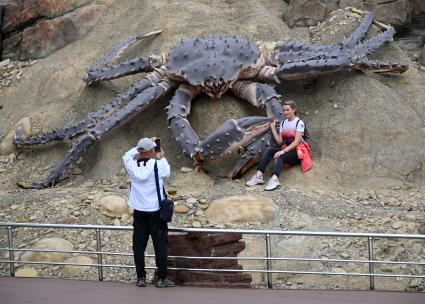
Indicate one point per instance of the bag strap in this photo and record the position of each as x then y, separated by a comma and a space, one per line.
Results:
305, 129
155, 169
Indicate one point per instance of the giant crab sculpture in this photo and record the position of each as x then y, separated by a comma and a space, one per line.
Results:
211, 65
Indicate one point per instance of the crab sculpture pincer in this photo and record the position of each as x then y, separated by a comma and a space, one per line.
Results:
211, 65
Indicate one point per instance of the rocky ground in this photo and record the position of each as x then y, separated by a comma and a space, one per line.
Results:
394, 210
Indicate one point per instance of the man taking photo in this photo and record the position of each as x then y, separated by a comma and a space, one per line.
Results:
139, 163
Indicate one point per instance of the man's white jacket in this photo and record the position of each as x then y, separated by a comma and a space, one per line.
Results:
143, 195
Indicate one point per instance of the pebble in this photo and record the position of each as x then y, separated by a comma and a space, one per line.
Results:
196, 224
90, 184
64, 213
86, 212
397, 225
181, 208
72, 219
416, 282
191, 200
172, 191
76, 171
125, 218
117, 222
335, 106
186, 169
4, 63
411, 227
199, 213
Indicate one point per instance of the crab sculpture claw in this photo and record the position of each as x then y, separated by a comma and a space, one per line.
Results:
232, 136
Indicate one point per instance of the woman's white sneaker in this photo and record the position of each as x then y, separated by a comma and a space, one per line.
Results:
272, 184
255, 180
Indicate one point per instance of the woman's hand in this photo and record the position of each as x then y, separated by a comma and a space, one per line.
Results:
279, 153
273, 123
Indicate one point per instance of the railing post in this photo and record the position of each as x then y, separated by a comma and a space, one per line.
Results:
99, 255
269, 262
11, 255
371, 265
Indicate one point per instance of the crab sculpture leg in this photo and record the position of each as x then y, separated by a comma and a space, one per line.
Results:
98, 123
100, 128
101, 71
95, 74
231, 136
292, 61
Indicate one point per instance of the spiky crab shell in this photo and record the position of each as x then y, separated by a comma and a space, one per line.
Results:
211, 58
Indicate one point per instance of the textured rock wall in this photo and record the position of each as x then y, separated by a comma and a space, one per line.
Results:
396, 12
362, 126
35, 29
417, 6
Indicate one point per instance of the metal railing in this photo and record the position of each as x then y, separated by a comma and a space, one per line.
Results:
370, 237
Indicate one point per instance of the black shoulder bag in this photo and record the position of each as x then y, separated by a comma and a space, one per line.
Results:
166, 206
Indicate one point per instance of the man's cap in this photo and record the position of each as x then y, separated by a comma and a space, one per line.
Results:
145, 144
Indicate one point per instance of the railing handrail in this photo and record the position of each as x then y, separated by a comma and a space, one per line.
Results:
369, 236
226, 230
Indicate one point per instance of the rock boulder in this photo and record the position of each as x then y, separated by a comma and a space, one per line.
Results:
114, 205
240, 209
396, 12
74, 271
53, 243
26, 272
35, 29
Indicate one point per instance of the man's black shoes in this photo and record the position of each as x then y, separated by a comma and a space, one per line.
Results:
162, 283
141, 282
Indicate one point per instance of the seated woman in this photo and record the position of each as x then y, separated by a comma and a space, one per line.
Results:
288, 142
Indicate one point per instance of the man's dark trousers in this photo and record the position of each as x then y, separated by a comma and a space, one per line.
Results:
145, 224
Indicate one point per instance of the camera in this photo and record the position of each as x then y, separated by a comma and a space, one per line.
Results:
158, 145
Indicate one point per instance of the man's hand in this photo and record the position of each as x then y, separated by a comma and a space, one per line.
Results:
137, 155
160, 155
